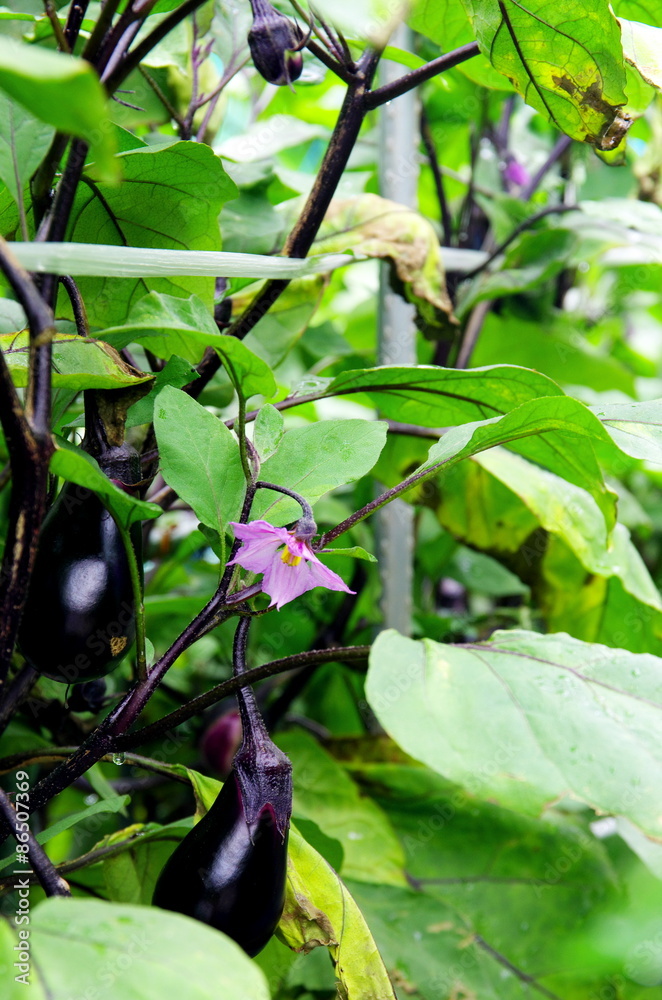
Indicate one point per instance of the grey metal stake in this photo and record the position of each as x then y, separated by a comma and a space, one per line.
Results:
398, 161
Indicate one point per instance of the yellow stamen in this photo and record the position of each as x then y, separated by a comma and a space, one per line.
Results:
289, 558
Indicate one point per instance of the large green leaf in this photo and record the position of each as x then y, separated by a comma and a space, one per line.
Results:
641, 45
551, 532
185, 186
199, 458
77, 363
635, 427
639, 10
23, 142
566, 719
447, 24
167, 325
63, 91
127, 951
315, 459
557, 432
325, 794
438, 397
566, 64
526, 886
562, 348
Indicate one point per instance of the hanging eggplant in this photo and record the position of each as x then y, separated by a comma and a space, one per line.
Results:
79, 617
229, 871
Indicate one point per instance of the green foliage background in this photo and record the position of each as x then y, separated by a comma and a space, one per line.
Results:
481, 805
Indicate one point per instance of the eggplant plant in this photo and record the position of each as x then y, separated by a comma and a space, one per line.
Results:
315, 321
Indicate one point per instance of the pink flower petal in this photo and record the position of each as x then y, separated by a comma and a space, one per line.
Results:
283, 582
261, 542
262, 550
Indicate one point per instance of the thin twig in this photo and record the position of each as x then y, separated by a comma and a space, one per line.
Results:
417, 76
30, 446
133, 58
52, 883
428, 142
481, 310
518, 230
77, 305
51, 14
16, 692
232, 684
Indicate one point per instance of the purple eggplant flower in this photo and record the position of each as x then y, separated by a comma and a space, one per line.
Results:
289, 564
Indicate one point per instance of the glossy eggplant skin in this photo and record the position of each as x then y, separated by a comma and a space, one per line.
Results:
79, 618
229, 874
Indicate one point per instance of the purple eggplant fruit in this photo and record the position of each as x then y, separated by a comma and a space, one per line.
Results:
229, 871
79, 618
275, 43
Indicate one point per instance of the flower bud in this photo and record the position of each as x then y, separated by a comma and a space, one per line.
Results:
275, 43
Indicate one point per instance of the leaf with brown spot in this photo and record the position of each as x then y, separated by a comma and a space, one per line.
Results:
567, 64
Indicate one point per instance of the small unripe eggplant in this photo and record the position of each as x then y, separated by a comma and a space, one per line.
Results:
275, 43
221, 740
229, 871
79, 618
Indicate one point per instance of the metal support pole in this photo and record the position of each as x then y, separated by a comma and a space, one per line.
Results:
397, 334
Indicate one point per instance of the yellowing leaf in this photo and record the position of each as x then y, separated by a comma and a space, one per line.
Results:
319, 912
381, 228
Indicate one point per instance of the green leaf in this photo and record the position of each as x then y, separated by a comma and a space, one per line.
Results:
274, 336
384, 229
635, 427
247, 371
560, 348
320, 911
568, 67
131, 951
167, 325
563, 435
117, 804
567, 719
315, 459
267, 431
187, 187
438, 397
64, 92
446, 23
77, 363
534, 260
76, 466
325, 794
641, 46
604, 593
355, 551
23, 142
199, 458
176, 372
